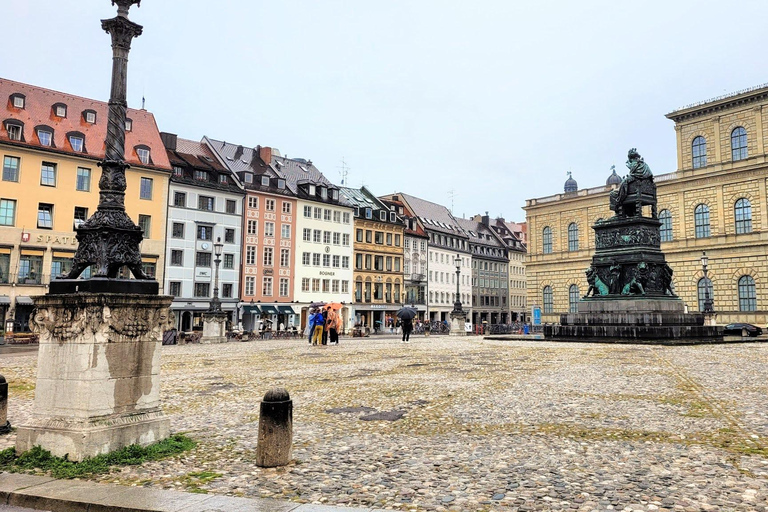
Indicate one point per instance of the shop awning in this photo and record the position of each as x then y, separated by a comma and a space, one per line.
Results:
4, 300
286, 310
268, 310
23, 300
251, 309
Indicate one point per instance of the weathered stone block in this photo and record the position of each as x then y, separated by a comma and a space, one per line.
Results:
98, 386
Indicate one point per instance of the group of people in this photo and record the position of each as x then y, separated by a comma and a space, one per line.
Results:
323, 326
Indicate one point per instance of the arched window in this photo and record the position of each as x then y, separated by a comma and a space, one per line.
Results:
747, 295
705, 286
738, 143
699, 148
573, 237
547, 299
701, 220
665, 217
546, 240
743, 215
573, 298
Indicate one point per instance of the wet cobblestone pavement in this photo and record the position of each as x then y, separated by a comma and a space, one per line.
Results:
465, 424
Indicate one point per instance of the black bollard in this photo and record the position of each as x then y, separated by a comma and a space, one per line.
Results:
5, 425
275, 443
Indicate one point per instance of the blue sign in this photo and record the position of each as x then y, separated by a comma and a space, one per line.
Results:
536, 315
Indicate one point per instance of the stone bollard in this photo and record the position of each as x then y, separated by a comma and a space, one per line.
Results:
5, 425
275, 443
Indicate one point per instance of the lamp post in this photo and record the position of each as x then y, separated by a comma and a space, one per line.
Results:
215, 302
708, 301
215, 320
109, 239
458, 315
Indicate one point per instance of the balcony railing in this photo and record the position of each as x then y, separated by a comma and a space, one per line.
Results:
418, 277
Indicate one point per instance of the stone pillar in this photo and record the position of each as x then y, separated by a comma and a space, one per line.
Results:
98, 373
274, 446
214, 327
5, 425
458, 319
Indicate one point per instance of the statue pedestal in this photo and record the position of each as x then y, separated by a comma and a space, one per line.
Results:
458, 319
214, 327
98, 374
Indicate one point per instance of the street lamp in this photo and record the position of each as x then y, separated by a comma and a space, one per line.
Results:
215, 306
708, 301
457, 304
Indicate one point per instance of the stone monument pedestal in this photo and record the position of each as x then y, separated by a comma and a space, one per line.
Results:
458, 319
214, 327
98, 374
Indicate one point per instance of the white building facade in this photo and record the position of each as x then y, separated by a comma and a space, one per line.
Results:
205, 207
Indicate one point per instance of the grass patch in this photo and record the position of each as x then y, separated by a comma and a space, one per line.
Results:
38, 460
193, 481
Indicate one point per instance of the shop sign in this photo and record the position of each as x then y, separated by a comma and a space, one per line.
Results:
51, 239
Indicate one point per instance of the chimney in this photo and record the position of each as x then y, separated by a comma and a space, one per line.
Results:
169, 140
265, 153
486, 220
238, 152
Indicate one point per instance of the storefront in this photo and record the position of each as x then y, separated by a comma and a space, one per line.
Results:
374, 316
188, 316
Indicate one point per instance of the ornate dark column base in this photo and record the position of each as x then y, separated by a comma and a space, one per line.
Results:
103, 285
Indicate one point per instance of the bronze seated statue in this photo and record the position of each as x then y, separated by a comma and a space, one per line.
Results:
637, 189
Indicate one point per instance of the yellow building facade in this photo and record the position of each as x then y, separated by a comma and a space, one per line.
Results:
50, 145
715, 203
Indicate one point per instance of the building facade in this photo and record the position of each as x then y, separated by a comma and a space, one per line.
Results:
378, 259
51, 143
447, 242
513, 236
205, 206
268, 241
715, 203
415, 253
490, 268
324, 227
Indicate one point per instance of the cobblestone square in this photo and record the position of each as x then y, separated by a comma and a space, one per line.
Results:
465, 424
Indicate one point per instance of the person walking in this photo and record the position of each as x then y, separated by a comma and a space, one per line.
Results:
318, 321
407, 325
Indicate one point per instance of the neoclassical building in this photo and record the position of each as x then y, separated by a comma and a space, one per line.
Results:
715, 203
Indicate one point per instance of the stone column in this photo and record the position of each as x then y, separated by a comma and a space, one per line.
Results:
98, 374
458, 319
214, 327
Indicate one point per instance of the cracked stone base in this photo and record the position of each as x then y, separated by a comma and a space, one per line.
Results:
98, 373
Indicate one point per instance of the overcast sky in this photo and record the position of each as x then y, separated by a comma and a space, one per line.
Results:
488, 102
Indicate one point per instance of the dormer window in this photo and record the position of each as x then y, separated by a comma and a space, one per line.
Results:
143, 154
18, 100
45, 137
265, 181
60, 110
311, 190
368, 213
280, 183
223, 179
392, 217
201, 175
128, 125
178, 171
76, 142
323, 193
335, 195
15, 130
383, 216
89, 116
248, 177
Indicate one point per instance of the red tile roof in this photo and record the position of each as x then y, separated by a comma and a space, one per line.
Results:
38, 110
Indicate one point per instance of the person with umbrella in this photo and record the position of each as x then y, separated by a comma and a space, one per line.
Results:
406, 316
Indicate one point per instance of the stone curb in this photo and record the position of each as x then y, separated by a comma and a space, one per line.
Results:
46, 493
